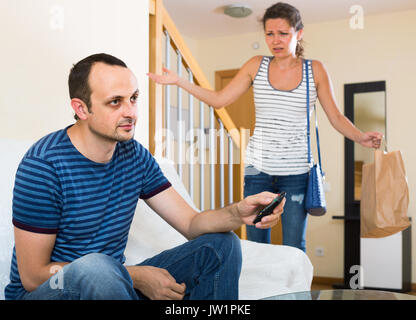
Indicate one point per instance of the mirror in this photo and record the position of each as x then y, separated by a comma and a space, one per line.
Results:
369, 115
365, 106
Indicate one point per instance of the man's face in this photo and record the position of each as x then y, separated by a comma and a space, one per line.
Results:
114, 97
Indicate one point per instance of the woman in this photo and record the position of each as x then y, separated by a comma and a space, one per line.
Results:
276, 157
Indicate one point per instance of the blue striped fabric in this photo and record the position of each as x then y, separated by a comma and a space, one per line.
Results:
88, 205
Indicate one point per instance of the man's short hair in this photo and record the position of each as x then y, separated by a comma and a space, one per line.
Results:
78, 76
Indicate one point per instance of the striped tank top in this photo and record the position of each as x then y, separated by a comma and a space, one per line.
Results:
279, 144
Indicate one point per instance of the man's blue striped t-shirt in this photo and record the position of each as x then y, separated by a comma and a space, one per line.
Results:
88, 205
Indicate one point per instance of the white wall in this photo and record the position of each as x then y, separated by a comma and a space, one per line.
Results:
42, 39
384, 50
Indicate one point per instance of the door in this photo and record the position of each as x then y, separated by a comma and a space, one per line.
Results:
242, 112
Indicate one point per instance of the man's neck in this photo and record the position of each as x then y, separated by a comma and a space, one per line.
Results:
90, 145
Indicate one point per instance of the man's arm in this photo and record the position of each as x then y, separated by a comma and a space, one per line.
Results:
156, 283
176, 211
33, 254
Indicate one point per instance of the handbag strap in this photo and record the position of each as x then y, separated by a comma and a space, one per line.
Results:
308, 121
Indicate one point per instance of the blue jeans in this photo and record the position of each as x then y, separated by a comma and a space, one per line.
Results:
294, 217
209, 265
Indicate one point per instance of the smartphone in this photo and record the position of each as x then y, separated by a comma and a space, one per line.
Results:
270, 207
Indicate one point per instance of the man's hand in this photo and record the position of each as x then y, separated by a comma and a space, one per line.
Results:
156, 283
251, 205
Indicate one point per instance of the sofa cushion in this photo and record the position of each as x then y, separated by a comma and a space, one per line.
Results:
11, 153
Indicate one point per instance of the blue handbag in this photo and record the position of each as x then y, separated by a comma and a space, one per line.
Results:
315, 203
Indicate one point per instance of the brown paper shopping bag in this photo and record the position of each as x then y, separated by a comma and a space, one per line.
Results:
384, 196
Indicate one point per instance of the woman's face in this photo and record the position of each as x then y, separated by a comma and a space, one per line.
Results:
281, 38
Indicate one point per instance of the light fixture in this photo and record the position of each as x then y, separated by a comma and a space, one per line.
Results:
237, 10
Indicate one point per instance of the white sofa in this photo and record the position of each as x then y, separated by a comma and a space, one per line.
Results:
267, 269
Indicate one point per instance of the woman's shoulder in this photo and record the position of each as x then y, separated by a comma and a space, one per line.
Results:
256, 60
253, 64
317, 65
320, 72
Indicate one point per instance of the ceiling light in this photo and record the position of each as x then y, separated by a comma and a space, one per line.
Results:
237, 10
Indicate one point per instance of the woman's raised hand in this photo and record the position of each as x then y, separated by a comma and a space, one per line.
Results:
169, 77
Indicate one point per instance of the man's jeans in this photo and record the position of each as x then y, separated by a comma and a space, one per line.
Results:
294, 217
209, 265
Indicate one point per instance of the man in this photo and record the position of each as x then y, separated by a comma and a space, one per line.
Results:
75, 194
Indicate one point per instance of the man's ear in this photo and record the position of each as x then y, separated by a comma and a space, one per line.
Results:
80, 108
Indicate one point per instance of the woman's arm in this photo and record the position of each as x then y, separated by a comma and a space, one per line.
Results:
341, 123
218, 99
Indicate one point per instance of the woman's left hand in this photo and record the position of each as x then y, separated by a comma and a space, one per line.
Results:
371, 139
